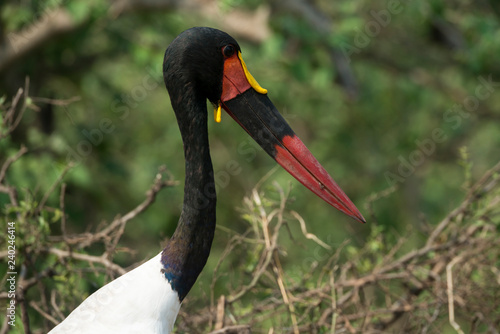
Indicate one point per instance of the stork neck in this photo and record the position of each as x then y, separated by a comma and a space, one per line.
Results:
187, 251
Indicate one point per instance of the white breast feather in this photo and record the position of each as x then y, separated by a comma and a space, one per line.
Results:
141, 301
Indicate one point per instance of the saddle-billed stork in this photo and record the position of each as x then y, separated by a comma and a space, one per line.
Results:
200, 64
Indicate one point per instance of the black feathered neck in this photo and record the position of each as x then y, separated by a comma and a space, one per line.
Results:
192, 70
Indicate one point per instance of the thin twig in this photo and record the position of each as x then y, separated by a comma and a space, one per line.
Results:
9, 115
63, 211
451, 302
44, 199
43, 313
6, 165
56, 102
308, 235
88, 258
471, 196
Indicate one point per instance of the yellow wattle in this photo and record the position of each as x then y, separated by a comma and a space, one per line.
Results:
217, 113
251, 80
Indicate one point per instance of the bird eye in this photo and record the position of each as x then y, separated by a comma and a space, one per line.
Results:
228, 51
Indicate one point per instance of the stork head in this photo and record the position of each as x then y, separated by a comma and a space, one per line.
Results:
206, 63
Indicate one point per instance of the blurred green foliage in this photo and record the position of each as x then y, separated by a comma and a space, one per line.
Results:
122, 128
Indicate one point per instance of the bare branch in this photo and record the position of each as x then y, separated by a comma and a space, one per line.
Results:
53, 187
10, 161
88, 258
57, 22
19, 44
451, 302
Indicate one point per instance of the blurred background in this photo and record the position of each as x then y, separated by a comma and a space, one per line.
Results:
399, 100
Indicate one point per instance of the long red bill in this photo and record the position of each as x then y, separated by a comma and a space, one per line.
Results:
248, 104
